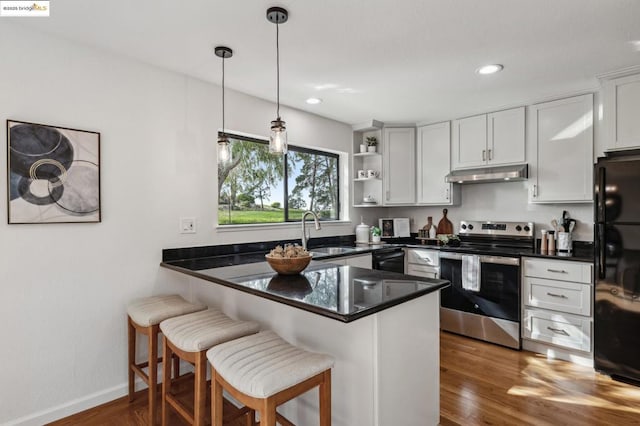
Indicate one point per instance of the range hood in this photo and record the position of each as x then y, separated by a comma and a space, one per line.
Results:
490, 174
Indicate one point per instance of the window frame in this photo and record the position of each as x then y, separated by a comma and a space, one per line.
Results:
285, 178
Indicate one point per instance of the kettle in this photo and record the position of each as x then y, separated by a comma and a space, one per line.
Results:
362, 232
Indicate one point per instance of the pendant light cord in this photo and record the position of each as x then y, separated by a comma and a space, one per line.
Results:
223, 134
278, 66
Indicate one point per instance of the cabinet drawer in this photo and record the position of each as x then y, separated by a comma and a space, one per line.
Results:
423, 271
573, 298
558, 329
558, 270
423, 257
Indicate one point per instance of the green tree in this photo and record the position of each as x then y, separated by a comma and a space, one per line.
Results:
318, 178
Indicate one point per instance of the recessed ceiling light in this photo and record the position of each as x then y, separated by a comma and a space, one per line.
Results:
489, 69
313, 101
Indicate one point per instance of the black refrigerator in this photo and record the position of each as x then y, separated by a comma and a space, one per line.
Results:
617, 266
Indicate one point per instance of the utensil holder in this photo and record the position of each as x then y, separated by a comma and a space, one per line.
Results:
564, 243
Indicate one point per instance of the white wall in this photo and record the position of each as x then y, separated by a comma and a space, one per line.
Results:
505, 201
65, 286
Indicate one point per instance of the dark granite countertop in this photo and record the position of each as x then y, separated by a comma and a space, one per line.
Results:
344, 293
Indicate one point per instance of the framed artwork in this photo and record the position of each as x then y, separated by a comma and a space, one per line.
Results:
387, 227
53, 174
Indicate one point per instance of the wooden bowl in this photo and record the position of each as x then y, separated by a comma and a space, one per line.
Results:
288, 265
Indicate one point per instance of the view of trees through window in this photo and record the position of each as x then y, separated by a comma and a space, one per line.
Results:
258, 187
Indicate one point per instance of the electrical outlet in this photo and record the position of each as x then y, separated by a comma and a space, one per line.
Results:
187, 225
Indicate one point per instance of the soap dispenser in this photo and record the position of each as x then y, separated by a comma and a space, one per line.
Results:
362, 232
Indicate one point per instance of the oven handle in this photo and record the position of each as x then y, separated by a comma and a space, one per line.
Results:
515, 261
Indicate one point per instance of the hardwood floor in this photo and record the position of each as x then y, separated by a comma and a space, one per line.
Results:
481, 384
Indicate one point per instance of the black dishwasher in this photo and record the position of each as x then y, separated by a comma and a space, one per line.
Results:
389, 259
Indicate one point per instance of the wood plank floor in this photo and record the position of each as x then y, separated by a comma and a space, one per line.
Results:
481, 384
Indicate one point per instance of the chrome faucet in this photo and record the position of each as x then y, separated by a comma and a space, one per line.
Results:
305, 236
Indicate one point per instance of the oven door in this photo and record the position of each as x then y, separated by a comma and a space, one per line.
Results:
499, 293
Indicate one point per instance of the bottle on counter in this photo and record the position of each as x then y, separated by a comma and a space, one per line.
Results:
551, 245
431, 227
543, 242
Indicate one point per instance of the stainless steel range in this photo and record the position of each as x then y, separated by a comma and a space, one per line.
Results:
483, 300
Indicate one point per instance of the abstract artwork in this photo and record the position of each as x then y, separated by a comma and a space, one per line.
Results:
54, 174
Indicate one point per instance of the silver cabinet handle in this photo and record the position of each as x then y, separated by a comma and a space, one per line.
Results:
557, 271
446, 194
558, 330
562, 296
490, 155
387, 195
535, 191
484, 155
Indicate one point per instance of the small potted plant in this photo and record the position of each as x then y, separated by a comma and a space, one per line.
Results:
372, 142
375, 234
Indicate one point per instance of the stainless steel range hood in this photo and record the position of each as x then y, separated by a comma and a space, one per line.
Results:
491, 174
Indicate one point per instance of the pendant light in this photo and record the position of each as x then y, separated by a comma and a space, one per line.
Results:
224, 147
278, 136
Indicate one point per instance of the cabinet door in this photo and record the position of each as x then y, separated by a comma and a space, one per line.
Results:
621, 112
562, 133
469, 145
399, 174
432, 164
505, 133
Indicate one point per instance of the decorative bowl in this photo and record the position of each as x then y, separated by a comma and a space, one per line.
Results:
288, 265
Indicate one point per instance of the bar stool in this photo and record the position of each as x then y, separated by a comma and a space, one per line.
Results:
144, 316
263, 371
189, 337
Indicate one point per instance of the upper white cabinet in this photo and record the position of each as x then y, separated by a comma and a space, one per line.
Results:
562, 138
399, 173
433, 156
622, 112
489, 139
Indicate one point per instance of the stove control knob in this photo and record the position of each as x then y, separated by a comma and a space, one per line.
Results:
470, 227
526, 228
518, 228
463, 226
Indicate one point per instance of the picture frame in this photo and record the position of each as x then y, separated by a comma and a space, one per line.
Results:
53, 174
387, 227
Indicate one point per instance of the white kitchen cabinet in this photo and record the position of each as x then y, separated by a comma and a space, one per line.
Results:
433, 159
562, 138
399, 170
557, 307
360, 261
493, 139
622, 112
422, 263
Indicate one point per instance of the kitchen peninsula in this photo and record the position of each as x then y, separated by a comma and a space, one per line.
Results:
381, 327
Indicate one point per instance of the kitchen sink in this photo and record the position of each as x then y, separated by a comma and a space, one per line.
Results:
325, 251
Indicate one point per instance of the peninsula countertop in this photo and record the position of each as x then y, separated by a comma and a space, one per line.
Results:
344, 293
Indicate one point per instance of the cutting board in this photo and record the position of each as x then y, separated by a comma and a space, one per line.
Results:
444, 226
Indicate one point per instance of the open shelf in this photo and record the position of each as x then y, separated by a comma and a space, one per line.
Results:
365, 154
365, 179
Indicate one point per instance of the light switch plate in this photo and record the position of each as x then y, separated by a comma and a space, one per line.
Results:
187, 225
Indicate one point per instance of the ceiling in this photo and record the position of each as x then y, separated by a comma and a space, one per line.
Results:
395, 61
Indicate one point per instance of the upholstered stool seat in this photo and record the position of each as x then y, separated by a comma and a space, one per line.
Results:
263, 371
144, 316
189, 337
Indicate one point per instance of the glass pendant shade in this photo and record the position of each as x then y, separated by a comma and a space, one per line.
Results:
278, 137
224, 150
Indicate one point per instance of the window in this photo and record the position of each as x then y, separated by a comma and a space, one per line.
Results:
258, 187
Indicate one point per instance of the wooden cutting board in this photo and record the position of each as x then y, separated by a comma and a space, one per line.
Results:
444, 226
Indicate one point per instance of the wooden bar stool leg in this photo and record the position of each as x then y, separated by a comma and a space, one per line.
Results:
153, 373
325, 399
131, 331
166, 380
176, 367
200, 401
216, 400
268, 413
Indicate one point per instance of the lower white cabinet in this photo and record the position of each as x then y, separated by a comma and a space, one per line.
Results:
557, 300
422, 263
360, 261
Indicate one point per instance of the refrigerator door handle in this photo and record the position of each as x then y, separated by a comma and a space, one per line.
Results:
601, 251
601, 195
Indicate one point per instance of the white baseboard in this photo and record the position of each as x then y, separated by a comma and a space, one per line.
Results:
71, 407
